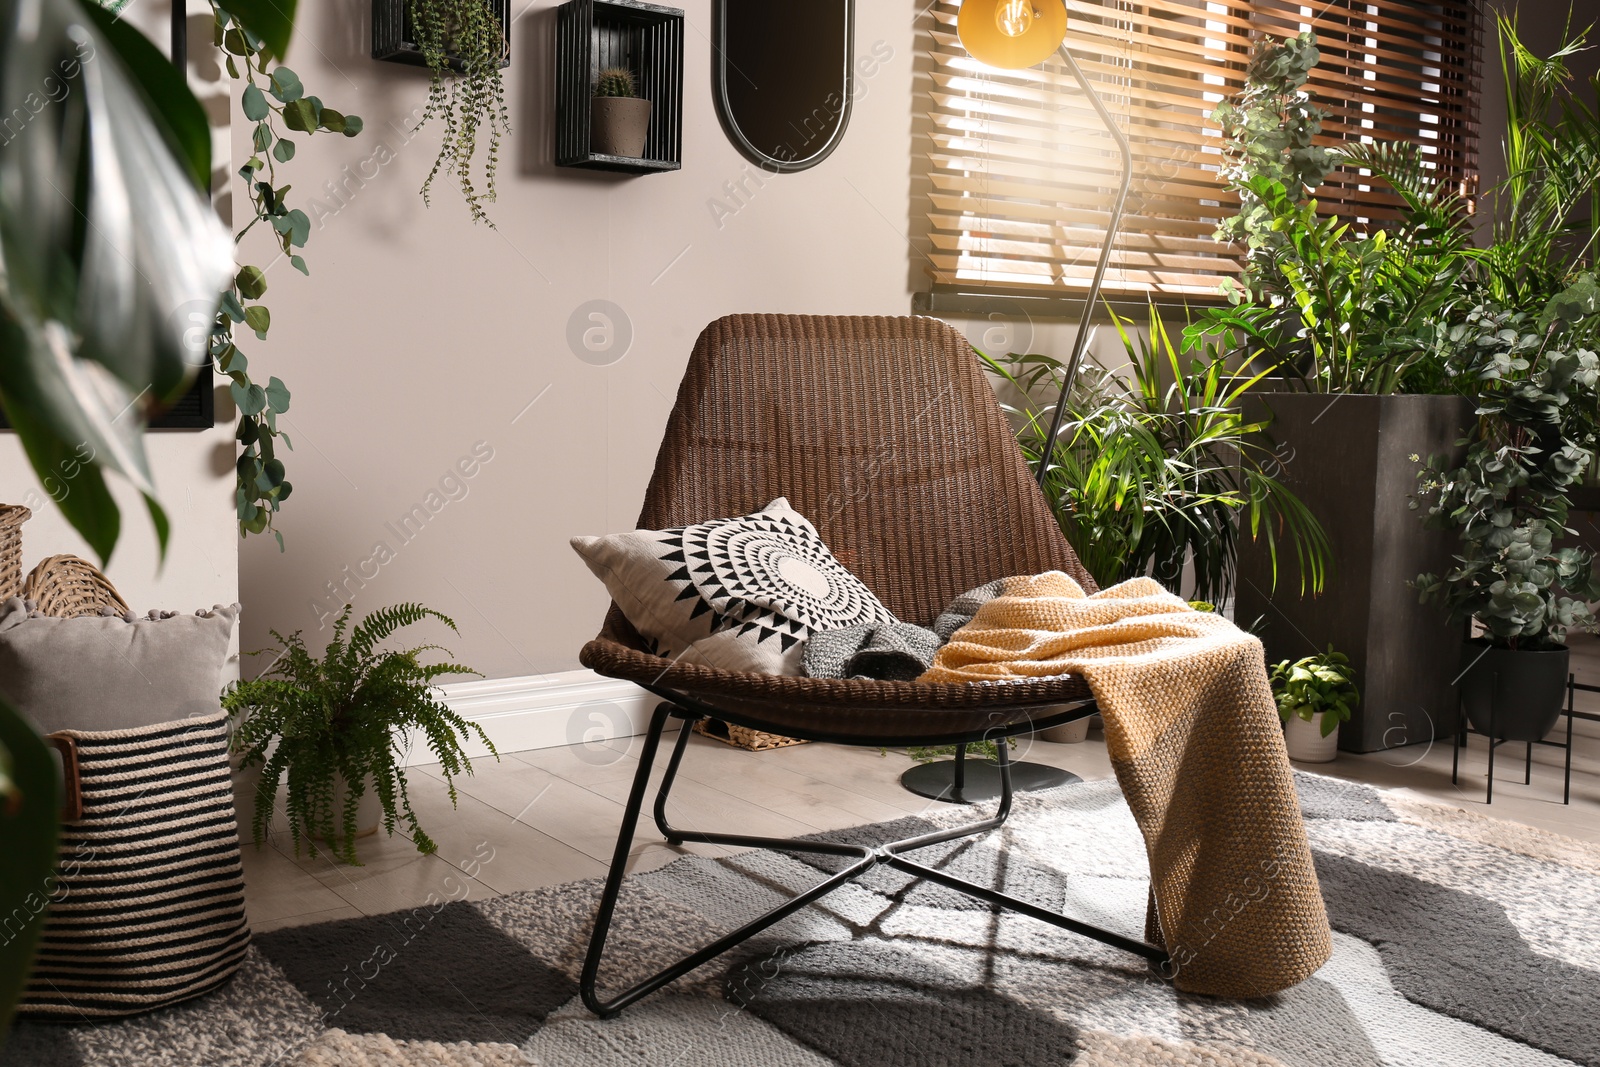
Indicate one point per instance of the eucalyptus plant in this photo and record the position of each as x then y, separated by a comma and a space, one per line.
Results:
1267, 137
1157, 466
343, 720
466, 36
277, 105
1537, 407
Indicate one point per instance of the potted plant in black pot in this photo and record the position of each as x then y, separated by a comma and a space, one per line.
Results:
1537, 408
338, 729
619, 121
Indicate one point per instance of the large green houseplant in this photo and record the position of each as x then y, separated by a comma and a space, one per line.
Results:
336, 727
1537, 406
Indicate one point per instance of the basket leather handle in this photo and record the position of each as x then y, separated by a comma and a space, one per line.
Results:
71, 783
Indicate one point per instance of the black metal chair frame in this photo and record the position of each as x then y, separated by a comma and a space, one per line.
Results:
864, 858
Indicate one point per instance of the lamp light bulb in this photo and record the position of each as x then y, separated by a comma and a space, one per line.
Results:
1014, 17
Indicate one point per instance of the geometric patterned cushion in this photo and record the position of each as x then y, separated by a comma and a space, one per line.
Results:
739, 594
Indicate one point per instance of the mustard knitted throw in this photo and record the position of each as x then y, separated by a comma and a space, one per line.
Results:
1195, 740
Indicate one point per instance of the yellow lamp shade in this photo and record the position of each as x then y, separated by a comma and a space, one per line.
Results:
1011, 34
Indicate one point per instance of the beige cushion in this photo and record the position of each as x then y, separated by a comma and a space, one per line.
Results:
740, 594
106, 673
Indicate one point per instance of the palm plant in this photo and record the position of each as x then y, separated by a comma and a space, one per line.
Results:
342, 720
1157, 467
1545, 214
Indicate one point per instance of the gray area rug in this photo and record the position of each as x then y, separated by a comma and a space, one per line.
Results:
1459, 940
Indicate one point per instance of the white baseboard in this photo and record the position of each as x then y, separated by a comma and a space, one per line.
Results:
545, 711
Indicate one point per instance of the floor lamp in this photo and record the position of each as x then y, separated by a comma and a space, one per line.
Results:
1012, 35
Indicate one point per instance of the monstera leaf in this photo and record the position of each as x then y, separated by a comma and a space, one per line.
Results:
108, 247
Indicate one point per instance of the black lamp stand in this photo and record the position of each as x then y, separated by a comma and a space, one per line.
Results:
960, 781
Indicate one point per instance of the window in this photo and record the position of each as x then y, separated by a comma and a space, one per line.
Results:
1021, 176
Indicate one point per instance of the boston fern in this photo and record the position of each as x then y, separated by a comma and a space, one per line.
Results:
1537, 406
343, 720
465, 35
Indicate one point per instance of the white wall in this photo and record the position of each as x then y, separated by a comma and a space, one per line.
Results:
419, 335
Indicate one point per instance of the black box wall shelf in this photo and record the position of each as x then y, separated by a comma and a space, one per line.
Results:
393, 38
645, 38
194, 410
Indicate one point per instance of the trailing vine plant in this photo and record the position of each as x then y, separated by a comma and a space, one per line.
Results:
277, 106
464, 36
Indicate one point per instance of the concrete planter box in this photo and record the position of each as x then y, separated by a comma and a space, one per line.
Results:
1349, 459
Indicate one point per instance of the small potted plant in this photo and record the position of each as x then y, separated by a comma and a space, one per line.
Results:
338, 727
1314, 696
619, 121
1537, 387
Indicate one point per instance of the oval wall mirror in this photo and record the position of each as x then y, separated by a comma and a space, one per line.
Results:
782, 78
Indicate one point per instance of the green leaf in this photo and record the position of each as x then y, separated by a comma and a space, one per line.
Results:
283, 151
299, 227
352, 125
252, 282
166, 89
232, 308
249, 431
300, 115
277, 395
286, 85
262, 140
258, 319
250, 400
272, 21
332, 121
299, 264
254, 103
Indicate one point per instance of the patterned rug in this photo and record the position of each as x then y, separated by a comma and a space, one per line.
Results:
1459, 940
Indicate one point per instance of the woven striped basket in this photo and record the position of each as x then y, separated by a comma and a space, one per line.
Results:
147, 908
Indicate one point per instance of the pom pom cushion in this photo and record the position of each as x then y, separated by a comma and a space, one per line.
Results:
112, 672
739, 594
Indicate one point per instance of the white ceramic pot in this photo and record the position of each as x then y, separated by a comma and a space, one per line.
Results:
369, 809
1068, 733
1305, 740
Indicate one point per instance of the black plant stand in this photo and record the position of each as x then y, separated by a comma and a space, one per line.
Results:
963, 781
1460, 742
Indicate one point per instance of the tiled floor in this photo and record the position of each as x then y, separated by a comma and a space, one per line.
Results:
549, 816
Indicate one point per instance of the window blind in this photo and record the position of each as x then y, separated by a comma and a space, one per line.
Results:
1021, 176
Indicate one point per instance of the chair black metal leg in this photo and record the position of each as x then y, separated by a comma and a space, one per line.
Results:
671, 775
1566, 787
864, 859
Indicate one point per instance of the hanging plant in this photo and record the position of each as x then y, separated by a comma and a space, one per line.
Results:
276, 105
465, 36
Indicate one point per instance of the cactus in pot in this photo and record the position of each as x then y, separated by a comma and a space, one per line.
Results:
619, 122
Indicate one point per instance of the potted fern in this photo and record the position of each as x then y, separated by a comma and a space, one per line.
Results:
337, 728
1314, 696
619, 122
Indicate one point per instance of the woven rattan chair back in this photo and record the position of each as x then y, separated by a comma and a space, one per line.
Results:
884, 432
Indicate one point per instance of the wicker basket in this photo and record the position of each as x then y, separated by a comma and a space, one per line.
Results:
743, 736
12, 516
66, 587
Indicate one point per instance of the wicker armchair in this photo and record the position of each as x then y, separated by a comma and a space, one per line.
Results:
886, 434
